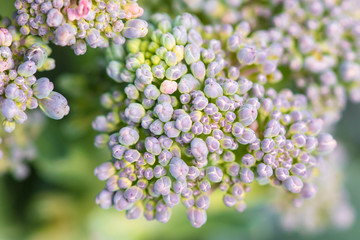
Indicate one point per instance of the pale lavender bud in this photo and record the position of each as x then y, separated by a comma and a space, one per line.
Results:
244, 85
80, 47
315, 126
308, 191
184, 123
159, 171
156, 127
198, 70
135, 28
134, 212
264, 170
5, 38
247, 137
171, 199
298, 127
246, 175
128, 136
54, 106
102, 124
165, 142
37, 54
230, 87
272, 128
178, 169
197, 217
124, 183
170, 130
132, 155
120, 203
164, 111
293, 184
27, 69
299, 140
165, 157
193, 173
214, 174
237, 130
112, 183
233, 169
213, 90
229, 200
299, 169
326, 144
311, 143
104, 199
267, 145
189, 201
237, 191
135, 112
168, 41
104, 171
163, 185
205, 186
199, 149
197, 128
65, 35
54, 18
203, 202
151, 92
152, 145
200, 102
149, 173
247, 55
188, 83
42, 88
179, 186
9, 109
133, 194
180, 35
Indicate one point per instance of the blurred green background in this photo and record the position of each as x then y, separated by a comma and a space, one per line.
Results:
57, 200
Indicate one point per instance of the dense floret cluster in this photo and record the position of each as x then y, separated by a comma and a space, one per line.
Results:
183, 122
320, 41
18, 148
81, 23
240, 97
319, 38
332, 204
21, 57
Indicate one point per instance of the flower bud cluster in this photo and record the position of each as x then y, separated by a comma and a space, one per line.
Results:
81, 23
21, 57
183, 122
225, 11
320, 40
332, 204
18, 148
258, 63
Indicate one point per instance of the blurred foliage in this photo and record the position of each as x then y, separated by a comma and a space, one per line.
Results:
57, 200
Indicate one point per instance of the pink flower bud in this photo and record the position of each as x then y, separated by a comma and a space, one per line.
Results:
5, 37
80, 11
133, 11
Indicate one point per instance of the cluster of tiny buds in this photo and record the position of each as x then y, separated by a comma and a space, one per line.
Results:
18, 148
78, 23
184, 123
226, 11
320, 39
21, 58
